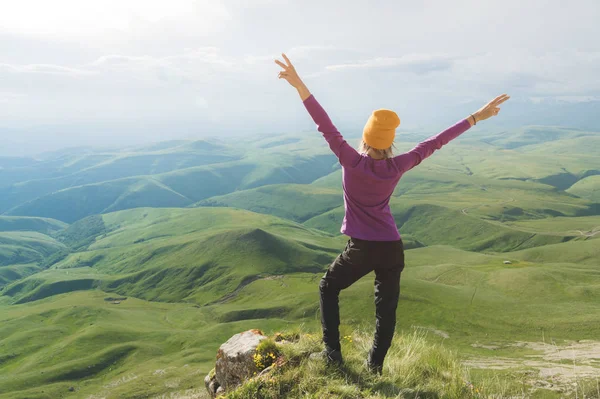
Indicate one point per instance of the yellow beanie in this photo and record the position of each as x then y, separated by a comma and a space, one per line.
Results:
380, 129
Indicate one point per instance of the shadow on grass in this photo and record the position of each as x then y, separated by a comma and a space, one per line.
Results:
385, 388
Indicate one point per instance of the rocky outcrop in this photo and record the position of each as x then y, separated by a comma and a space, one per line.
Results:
235, 362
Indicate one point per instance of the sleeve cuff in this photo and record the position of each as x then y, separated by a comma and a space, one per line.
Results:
310, 98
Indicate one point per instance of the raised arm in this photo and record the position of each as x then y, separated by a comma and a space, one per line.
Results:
347, 155
412, 158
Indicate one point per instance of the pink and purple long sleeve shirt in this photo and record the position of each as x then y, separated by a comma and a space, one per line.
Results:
369, 183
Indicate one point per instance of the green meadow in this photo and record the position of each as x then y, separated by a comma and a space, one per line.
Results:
122, 272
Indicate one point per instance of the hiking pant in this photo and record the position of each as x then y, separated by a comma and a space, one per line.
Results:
358, 259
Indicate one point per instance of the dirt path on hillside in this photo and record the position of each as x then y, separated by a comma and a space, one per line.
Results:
591, 233
555, 367
464, 210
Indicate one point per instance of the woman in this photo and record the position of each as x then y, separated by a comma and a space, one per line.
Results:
369, 178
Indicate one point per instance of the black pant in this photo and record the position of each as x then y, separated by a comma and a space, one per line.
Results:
358, 259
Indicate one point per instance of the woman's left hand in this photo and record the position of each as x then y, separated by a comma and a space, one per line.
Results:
490, 109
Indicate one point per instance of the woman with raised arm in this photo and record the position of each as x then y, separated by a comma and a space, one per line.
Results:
369, 177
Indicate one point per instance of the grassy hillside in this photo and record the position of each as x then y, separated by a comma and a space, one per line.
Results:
84, 340
23, 253
532, 135
40, 225
429, 225
290, 201
180, 173
14, 272
197, 255
25, 247
208, 239
588, 188
75, 203
584, 226
59, 171
173, 189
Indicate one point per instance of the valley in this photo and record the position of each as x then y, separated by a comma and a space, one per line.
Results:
202, 240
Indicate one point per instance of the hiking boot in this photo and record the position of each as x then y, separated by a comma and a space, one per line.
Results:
330, 356
372, 366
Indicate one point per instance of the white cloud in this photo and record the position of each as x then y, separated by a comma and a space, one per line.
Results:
43, 69
419, 63
95, 20
98, 59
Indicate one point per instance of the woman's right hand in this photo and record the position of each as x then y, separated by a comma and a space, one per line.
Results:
491, 108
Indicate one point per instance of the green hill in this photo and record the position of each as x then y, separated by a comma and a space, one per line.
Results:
180, 173
163, 190
501, 231
588, 188
25, 247
532, 135
298, 202
41, 225
23, 253
75, 203
48, 344
429, 225
188, 254
85, 341
59, 171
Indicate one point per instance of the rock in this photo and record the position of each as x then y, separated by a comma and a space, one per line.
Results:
211, 384
71, 389
235, 362
207, 381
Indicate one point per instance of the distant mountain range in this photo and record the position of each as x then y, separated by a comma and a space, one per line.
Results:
436, 116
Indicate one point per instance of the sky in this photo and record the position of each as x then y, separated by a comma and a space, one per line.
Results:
75, 72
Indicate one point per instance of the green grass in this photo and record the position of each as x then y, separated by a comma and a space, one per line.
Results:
588, 188
81, 340
563, 226
197, 255
289, 201
40, 225
67, 169
17, 247
428, 224
25, 245
9, 274
251, 253
415, 367
72, 204
69, 186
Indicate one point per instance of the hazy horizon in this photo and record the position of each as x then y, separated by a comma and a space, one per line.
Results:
132, 71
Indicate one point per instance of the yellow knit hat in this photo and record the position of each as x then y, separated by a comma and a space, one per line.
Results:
380, 130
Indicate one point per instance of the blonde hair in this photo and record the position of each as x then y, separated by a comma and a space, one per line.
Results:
364, 148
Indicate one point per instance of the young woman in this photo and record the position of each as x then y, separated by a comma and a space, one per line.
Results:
369, 177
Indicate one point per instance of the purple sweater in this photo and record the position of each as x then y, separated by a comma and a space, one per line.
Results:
369, 183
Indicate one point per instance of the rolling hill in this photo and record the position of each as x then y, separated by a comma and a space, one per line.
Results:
187, 254
40, 225
290, 201
588, 188
23, 253
173, 247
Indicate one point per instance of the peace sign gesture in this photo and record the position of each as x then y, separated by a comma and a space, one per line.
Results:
491, 108
289, 72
